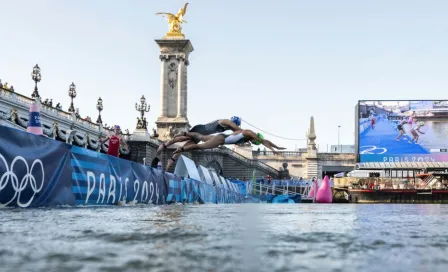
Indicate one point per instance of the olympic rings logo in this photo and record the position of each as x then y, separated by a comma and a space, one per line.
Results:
19, 187
371, 149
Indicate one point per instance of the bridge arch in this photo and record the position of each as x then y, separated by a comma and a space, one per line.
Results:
215, 166
213, 162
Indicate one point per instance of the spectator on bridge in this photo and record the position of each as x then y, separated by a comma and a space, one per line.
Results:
11, 89
1, 84
238, 137
216, 126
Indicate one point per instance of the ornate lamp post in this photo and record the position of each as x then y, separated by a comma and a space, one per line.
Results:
142, 108
36, 76
72, 94
99, 107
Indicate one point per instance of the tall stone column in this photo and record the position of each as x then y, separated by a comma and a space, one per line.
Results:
180, 86
163, 102
185, 91
173, 118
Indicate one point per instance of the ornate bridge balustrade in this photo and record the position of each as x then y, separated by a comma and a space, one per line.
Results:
56, 124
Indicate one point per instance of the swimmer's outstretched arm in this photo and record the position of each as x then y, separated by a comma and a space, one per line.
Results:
264, 142
230, 124
271, 146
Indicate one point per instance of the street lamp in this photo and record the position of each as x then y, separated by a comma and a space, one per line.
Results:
99, 107
142, 108
36, 76
339, 145
72, 94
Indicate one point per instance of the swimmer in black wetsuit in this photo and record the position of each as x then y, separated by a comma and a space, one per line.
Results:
216, 126
400, 128
238, 137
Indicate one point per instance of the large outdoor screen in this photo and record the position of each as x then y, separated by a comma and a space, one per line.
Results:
402, 131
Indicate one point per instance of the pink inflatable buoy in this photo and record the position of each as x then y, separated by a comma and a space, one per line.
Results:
324, 194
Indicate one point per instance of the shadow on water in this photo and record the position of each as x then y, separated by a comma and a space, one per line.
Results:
250, 237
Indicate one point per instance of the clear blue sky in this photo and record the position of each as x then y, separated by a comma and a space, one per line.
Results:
275, 63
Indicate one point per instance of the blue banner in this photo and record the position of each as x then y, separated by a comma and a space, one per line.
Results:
100, 179
38, 171
34, 170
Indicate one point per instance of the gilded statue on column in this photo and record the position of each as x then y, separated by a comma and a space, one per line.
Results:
175, 22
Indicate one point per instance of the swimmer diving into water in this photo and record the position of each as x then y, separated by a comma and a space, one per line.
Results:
216, 126
414, 131
238, 137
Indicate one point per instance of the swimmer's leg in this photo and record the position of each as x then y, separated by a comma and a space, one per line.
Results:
174, 158
172, 141
199, 137
212, 142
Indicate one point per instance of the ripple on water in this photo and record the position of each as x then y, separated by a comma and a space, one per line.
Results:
226, 238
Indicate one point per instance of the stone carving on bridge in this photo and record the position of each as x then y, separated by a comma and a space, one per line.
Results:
172, 74
142, 124
11, 116
170, 132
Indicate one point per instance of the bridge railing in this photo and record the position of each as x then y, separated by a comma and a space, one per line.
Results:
256, 153
225, 150
17, 98
337, 156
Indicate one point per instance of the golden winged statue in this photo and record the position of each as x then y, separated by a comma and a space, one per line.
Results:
175, 21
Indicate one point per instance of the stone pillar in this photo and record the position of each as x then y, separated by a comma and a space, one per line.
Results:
163, 102
312, 164
185, 90
180, 85
173, 114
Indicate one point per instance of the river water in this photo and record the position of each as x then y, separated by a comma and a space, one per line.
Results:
249, 237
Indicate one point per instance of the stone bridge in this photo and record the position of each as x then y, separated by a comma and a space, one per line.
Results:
67, 127
327, 163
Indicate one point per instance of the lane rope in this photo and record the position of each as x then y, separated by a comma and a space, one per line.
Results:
277, 136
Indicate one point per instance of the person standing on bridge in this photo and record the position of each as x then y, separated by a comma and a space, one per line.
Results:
238, 137
216, 126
